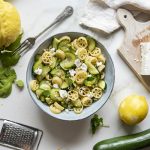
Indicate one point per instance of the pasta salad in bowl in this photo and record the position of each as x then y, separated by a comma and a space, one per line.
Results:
70, 76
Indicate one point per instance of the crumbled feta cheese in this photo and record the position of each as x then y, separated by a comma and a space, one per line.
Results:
72, 72
89, 95
84, 67
55, 86
77, 63
38, 71
67, 110
76, 53
89, 75
52, 49
63, 93
99, 63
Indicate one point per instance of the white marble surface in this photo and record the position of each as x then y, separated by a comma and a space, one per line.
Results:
19, 107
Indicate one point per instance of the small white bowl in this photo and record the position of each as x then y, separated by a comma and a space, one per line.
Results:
71, 116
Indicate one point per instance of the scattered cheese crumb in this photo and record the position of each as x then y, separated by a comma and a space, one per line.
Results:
72, 72
52, 49
38, 71
89, 75
77, 63
99, 63
67, 111
55, 86
89, 95
84, 67
76, 53
63, 93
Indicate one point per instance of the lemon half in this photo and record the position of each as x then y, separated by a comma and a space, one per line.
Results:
10, 24
133, 109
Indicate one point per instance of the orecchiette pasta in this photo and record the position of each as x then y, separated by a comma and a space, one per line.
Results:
54, 110
38, 93
34, 85
73, 95
101, 58
97, 92
48, 101
80, 76
82, 53
84, 91
70, 74
57, 80
92, 60
60, 54
77, 103
58, 106
86, 101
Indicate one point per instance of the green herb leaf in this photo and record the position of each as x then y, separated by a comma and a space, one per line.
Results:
7, 77
96, 122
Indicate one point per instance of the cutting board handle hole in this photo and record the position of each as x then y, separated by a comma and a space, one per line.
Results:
125, 16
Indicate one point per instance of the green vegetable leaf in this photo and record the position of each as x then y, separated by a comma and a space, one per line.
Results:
6, 58
8, 61
90, 78
7, 77
96, 122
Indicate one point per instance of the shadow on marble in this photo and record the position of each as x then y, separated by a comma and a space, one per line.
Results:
64, 131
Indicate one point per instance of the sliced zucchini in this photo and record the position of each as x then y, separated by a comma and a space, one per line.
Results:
45, 85
37, 57
46, 93
55, 43
90, 81
91, 68
58, 72
68, 62
91, 43
66, 38
54, 63
37, 64
54, 95
64, 48
64, 45
64, 85
69, 81
45, 70
102, 84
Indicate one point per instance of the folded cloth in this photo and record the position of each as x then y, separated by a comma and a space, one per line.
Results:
101, 14
141, 4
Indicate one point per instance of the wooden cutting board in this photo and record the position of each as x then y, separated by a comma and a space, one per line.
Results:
135, 33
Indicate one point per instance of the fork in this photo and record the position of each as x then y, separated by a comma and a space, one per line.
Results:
29, 42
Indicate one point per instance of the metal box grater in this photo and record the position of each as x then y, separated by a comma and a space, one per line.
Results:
18, 136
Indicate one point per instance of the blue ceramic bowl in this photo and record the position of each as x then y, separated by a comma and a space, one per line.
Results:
71, 116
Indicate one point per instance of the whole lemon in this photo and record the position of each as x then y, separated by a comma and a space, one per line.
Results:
133, 109
10, 24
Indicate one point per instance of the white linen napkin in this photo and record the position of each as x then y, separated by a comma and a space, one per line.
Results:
101, 14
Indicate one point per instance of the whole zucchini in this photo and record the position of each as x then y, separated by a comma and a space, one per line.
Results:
129, 142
